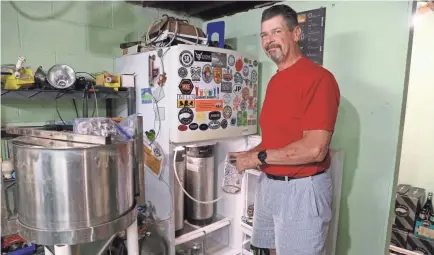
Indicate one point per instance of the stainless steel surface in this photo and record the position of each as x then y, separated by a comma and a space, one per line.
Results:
139, 155
74, 195
199, 183
61, 76
36, 141
178, 193
63, 136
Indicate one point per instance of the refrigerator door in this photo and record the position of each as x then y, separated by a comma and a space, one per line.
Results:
216, 94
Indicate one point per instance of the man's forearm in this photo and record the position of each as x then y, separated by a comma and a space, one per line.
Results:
297, 153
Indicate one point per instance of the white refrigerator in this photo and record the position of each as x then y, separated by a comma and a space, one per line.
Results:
199, 103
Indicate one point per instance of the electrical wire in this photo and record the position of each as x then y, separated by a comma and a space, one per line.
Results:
75, 106
182, 186
57, 109
94, 93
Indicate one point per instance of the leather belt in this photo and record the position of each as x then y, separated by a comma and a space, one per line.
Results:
288, 178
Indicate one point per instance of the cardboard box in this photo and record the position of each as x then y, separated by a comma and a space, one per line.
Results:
420, 245
407, 204
399, 238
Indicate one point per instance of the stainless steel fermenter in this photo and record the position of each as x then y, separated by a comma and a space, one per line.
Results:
72, 194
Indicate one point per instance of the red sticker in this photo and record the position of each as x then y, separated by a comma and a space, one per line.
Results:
239, 65
182, 127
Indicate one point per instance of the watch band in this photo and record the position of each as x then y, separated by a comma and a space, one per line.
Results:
262, 156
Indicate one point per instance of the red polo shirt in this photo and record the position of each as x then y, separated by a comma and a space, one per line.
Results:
304, 96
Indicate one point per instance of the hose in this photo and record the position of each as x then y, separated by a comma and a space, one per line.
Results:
182, 186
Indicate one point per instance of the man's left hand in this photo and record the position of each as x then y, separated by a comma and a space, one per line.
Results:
247, 160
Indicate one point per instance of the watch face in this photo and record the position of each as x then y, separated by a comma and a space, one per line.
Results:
262, 156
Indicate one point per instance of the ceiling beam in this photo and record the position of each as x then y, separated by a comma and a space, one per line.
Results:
206, 7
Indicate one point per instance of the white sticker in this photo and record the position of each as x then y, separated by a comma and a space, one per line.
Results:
245, 131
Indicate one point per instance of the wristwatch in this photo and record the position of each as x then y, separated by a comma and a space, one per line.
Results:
262, 156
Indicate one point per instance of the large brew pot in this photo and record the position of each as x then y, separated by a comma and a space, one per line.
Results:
74, 195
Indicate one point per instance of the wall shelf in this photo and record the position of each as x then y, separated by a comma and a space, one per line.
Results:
61, 94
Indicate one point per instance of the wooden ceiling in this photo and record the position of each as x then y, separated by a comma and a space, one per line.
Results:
205, 10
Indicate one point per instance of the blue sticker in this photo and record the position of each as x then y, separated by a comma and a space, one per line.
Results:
146, 94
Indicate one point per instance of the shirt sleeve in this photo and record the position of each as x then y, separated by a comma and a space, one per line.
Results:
320, 104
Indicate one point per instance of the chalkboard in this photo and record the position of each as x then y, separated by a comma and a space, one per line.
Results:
312, 25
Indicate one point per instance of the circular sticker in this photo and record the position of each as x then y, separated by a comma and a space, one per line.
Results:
227, 98
243, 105
246, 71
217, 74
182, 72
255, 63
227, 112
245, 93
186, 58
231, 60
224, 123
254, 76
185, 116
233, 121
207, 73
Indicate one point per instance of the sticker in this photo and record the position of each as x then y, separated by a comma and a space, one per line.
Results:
226, 87
244, 118
201, 116
239, 119
255, 89
217, 75
193, 126
255, 63
219, 59
152, 159
186, 86
238, 79
252, 103
209, 105
227, 74
246, 71
227, 112
182, 127
203, 127
215, 124
186, 101
202, 56
207, 73
233, 121
214, 115
208, 93
224, 124
237, 89
254, 76
231, 60
243, 105
227, 98
182, 72
246, 60
186, 58
236, 103
239, 65
146, 96
185, 116
245, 93
195, 73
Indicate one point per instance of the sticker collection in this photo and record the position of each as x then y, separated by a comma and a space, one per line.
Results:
216, 91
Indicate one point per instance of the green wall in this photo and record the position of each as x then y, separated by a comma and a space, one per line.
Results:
84, 35
366, 47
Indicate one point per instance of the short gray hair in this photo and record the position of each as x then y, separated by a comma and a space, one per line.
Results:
288, 14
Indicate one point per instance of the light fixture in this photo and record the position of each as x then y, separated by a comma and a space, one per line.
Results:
61, 76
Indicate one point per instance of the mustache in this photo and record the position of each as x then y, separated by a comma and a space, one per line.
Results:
272, 45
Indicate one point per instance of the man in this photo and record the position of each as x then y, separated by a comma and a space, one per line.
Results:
294, 192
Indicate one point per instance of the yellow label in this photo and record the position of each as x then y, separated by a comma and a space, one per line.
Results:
151, 161
190, 103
